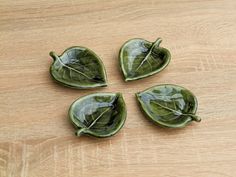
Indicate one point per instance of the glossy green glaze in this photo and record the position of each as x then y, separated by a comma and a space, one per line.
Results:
100, 114
78, 67
169, 105
140, 58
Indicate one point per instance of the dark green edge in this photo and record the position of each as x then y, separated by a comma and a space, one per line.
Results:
80, 87
81, 131
160, 123
146, 75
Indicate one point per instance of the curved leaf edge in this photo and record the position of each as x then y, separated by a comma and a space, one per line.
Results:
160, 123
83, 130
54, 56
127, 79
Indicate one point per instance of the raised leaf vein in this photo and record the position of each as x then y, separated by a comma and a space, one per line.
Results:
156, 43
77, 71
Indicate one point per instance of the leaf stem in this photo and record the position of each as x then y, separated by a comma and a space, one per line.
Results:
53, 55
157, 43
79, 131
194, 117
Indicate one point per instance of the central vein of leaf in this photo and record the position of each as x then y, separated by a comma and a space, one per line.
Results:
175, 111
73, 69
98, 117
156, 43
172, 110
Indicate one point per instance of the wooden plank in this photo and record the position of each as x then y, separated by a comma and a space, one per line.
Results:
36, 138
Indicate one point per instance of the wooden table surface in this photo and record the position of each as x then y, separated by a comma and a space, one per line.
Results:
36, 138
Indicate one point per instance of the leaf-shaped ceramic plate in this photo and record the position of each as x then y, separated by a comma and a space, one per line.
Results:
100, 114
78, 67
140, 58
169, 105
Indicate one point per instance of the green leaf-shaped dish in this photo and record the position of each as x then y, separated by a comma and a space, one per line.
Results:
140, 58
100, 114
169, 105
78, 67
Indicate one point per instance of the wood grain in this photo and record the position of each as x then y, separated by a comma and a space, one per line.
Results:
36, 138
